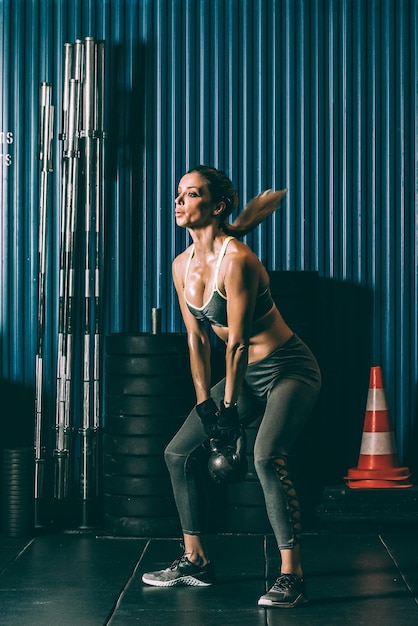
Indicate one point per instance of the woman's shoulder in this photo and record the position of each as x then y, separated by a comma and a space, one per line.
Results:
241, 251
240, 258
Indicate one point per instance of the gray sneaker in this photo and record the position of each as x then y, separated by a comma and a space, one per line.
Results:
287, 592
181, 572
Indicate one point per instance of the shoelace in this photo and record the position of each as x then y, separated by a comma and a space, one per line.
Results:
285, 582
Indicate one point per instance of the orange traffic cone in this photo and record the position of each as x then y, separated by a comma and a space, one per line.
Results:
378, 465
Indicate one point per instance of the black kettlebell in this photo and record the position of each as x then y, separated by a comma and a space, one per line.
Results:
227, 461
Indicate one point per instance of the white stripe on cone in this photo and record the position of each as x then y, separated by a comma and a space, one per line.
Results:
378, 443
376, 400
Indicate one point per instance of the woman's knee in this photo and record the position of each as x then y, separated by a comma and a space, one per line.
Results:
173, 459
271, 466
263, 468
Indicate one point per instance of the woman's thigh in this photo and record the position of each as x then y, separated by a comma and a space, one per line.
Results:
288, 406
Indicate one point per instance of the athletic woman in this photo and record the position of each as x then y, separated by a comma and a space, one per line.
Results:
270, 373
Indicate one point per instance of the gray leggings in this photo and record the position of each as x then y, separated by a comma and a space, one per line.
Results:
282, 388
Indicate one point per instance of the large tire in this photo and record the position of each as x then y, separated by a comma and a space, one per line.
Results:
141, 406
144, 344
135, 446
132, 485
174, 386
125, 465
145, 365
142, 425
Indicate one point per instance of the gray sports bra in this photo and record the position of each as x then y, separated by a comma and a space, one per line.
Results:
214, 310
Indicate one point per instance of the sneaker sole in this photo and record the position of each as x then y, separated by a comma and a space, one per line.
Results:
282, 605
188, 581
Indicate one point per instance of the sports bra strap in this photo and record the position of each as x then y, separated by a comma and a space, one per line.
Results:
186, 273
219, 261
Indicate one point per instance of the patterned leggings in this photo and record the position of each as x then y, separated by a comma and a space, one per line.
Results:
282, 388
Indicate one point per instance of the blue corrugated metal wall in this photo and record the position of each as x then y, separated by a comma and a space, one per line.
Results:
319, 96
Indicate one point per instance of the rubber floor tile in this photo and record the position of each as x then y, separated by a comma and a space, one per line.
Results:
239, 567
66, 580
350, 580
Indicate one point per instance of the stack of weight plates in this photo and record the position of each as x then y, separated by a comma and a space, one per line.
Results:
18, 492
148, 394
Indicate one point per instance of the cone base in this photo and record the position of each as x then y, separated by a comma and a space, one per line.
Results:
393, 473
377, 484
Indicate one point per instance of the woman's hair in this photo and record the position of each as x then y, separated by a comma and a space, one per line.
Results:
221, 189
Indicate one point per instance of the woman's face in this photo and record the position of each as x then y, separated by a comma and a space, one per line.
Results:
194, 207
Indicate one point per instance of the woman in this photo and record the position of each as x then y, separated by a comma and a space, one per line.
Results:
270, 372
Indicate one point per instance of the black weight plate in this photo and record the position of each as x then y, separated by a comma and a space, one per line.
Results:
22, 477
17, 466
139, 506
24, 518
143, 343
17, 496
124, 526
18, 500
136, 405
19, 523
20, 452
137, 485
134, 465
149, 365
248, 520
18, 513
153, 386
13, 503
141, 446
19, 462
13, 499
17, 472
24, 496
155, 425
16, 483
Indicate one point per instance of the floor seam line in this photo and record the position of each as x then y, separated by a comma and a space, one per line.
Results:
17, 556
392, 556
126, 586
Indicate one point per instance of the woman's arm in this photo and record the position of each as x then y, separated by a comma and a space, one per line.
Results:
241, 286
198, 339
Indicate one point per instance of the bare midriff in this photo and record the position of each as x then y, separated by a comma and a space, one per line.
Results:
267, 334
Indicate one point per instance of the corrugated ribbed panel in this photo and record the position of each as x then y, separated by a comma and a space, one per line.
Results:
317, 96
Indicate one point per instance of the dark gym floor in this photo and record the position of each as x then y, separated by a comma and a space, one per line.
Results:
74, 578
